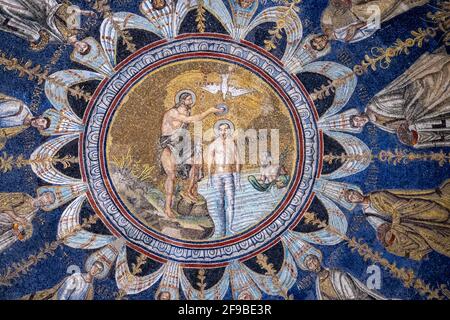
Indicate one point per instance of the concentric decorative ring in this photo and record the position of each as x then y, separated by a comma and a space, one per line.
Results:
209, 253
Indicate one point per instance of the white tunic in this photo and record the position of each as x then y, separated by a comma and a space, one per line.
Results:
25, 18
75, 287
12, 113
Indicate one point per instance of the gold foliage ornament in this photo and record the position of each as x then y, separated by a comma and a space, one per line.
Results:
36, 73
42, 43
201, 276
290, 7
396, 157
136, 269
263, 261
382, 57
15, 270
9, 163
103, 7
201, 19
407, 276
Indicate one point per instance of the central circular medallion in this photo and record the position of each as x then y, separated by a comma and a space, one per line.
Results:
200, 150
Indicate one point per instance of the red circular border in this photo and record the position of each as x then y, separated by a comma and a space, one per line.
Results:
132, 81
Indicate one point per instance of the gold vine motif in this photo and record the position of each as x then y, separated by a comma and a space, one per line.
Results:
290, 7
442, 19
396, 157
326, 90
103, 7
263, 262
9, 163
407, 276
36, 98
201, 277
26, 69
24, 266
383, 57
136, 269
201, 19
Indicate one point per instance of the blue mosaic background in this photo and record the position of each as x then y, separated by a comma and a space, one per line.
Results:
421, 175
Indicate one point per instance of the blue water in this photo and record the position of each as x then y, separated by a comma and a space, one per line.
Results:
434, 270
251, 205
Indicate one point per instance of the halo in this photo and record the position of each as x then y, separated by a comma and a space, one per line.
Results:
177, 98
221, 122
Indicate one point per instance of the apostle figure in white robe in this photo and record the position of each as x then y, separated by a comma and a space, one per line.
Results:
42, 22
355, 20
333, 284
80, 286
17, 211
416, 106
16, 117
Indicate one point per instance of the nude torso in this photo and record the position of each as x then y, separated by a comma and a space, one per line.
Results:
225, 154
170, 124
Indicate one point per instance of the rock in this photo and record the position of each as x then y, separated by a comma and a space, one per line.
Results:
200, 210
195, 221
187, 208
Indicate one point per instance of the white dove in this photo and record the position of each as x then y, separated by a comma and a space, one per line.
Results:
225, 88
